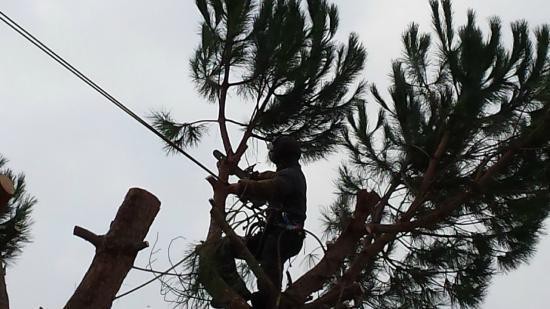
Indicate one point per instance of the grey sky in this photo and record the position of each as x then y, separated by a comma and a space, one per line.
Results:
81, 155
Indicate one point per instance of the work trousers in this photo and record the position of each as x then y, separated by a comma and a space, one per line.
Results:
272, 248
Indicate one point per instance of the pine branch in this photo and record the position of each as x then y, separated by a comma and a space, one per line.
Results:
428, 178
342, 247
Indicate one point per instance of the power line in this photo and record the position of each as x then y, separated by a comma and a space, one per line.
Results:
36, 42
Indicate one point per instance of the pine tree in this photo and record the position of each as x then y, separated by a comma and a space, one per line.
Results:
281, 58
15, 209
461, 149
14, 217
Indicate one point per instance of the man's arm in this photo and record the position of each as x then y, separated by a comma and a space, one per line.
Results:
263, 175
268, 186
276, 187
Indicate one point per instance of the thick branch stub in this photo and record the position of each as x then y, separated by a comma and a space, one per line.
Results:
87, 235
140, 245
7, 190
100, 242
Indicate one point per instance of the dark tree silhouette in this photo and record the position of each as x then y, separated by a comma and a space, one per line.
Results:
460, 149
281, 57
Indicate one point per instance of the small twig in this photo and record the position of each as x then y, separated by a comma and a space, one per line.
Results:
242, 82
214, 121
152, 280
154, 271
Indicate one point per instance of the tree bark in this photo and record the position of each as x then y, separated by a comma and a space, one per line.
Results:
6, 190
336, 297
115, 251
390, 231
314, 279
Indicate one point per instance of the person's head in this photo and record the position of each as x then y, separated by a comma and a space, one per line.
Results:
284, 149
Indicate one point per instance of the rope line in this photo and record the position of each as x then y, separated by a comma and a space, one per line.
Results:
161, 274
36, 42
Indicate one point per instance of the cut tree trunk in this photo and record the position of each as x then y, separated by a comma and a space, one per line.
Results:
6, 190
6, 193
115, 251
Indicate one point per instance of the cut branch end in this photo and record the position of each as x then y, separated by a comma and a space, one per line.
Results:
87, 235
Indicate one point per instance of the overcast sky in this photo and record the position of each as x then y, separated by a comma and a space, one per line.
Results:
81, 155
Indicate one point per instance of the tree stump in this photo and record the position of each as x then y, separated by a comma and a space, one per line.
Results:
6, 190
115, 251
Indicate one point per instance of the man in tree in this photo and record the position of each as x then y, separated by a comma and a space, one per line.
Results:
282, 237
283, 58
459, 152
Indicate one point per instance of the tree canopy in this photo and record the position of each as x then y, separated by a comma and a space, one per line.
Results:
461, 148
282, 59
15, 218
456, 158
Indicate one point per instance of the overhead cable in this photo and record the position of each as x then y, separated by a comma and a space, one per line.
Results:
36, 42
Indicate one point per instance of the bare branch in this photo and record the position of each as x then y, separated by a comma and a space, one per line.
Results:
236, 240
346, 243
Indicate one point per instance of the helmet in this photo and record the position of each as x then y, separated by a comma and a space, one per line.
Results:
284, 148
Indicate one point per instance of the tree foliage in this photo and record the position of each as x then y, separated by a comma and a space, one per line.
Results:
462, 146
281, 57
15, 217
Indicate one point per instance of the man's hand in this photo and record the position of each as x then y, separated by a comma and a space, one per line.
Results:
234, 188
